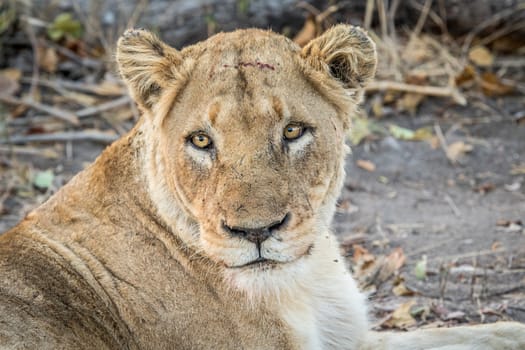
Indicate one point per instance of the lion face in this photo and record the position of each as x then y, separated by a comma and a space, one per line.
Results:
253, 162
249, 137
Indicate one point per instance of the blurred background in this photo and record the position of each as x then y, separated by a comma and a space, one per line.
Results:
431, 219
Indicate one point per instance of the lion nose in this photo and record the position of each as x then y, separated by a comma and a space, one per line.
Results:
256, 235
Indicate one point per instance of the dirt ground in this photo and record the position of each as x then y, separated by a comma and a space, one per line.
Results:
466, 219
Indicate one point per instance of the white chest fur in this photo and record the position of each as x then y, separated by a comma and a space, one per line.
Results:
326, 310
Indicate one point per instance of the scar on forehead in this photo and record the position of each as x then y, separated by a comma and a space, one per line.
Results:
213, 112
255, 64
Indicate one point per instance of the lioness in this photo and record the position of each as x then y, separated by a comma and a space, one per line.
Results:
207, 226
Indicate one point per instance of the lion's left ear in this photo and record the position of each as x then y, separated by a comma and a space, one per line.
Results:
147, 65
346, 53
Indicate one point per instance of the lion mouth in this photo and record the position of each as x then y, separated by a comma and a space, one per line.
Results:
262, 262
259, 262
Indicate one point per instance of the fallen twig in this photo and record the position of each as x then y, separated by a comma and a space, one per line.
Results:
488, 22
443, 279
29, 151
95, 136
137, 12
501, 32
452, 205
370, 4
82, 61
308, 7
86, 112
422, 19
473, 277
424, 90
381, 12
391, 19
92, 25
6, 192
430, 247
59, 113
36, 58
441, 138
510, 61
468, 254
78, 86
440, 22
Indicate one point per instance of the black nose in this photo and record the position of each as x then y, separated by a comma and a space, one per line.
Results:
256, 235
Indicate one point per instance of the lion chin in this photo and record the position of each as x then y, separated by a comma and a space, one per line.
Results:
263, 271
265, 279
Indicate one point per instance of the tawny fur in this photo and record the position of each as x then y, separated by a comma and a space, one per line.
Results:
133, 252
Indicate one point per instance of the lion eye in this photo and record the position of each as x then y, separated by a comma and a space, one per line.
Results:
293, 131
201, 140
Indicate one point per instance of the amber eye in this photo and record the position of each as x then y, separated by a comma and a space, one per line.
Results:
293, 131
201, 140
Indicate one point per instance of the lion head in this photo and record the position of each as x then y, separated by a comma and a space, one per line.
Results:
247, 140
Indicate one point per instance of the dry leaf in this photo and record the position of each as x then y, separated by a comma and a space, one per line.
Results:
108, 88
513, 187
78, 46
424, 134
377, 108
416, 52
373, 271
120, 115
481, 56
410, 101
511, 226
307, 33
422, 312
364, 263
496, 246
454, 315
401, 318
11, 73
19, 111
508, 43
508, 223
366, 165
457, 150
391, 96
434, 142
349, 240
391, 265
402, 290
518, 169
396, 259
485, 187
361, 255
491, 85
9, 79
467, 75
346, 207
417, 77
48, 59
80, 98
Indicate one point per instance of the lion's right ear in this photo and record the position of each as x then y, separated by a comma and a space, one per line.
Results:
344, 52
147, 65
